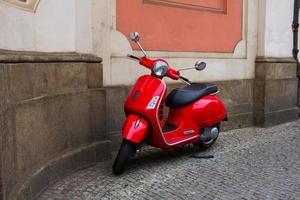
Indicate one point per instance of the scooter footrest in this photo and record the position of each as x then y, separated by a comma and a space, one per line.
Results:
169, 127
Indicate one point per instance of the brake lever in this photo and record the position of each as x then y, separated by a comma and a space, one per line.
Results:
185, 80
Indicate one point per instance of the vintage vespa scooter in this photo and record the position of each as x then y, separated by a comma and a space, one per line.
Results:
194, 117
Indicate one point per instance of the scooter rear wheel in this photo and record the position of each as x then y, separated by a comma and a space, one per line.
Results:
205, 144
126, 150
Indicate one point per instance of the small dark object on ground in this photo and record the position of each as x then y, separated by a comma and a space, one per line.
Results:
203, 157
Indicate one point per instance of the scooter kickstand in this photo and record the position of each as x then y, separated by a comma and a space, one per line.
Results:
203, 157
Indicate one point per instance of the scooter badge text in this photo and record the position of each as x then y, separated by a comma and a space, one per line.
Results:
153, 102
188, 132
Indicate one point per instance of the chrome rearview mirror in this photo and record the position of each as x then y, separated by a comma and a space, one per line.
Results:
134, 36
200, 65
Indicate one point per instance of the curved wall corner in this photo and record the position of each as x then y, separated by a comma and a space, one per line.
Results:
51, 118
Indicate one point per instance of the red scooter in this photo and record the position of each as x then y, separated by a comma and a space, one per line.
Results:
194, 117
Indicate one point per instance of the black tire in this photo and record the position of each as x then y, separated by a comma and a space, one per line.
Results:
205, 145
126, 150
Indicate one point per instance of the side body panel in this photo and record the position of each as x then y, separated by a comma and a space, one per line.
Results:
206, 112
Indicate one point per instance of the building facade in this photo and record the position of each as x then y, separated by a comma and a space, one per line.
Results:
64, 73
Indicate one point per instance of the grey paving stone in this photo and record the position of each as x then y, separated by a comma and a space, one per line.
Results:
251, 163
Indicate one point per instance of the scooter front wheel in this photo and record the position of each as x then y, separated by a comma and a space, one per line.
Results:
126, 150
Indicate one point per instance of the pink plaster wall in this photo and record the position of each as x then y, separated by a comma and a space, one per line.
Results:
183, 25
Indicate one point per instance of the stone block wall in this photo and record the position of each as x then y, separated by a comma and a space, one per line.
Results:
275, 92
298, 76
52, 118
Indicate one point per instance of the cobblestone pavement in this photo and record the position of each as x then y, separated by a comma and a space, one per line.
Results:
251, 163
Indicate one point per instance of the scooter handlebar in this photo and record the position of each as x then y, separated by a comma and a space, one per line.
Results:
133, 57
148, 63
173, 74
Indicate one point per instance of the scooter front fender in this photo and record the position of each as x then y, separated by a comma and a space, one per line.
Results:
135, 128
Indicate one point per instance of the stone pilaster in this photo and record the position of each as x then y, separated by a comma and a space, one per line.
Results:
275, 91
52, 119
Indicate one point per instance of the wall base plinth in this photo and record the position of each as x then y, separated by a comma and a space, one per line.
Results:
275, 91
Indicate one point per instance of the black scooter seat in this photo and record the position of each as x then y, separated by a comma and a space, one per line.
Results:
180, 97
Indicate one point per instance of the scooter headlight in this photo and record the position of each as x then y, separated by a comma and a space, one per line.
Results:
160, 68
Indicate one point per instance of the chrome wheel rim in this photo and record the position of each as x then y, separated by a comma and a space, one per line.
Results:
212, 134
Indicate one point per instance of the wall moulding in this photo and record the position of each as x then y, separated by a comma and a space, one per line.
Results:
28, 5
218, 30
217, 6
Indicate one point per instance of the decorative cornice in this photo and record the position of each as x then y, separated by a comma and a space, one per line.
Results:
45, 57
275, 60
28, 5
